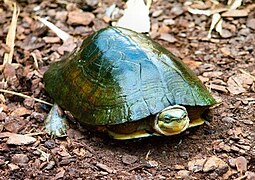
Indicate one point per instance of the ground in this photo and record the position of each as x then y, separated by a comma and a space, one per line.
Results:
223, 148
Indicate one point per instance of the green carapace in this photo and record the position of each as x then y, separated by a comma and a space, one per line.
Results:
128, 85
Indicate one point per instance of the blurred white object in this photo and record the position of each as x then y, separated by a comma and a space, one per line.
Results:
136, 16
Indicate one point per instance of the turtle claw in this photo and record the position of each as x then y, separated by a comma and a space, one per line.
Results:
55, 123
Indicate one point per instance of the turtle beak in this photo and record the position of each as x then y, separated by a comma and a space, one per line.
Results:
172, 120
174, 127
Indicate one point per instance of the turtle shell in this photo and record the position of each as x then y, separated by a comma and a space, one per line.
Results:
119, 76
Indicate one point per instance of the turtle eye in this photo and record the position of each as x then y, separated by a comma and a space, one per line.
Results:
166, 117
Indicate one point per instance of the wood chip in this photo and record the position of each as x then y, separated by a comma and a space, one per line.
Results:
196, 165
225, 51
80, 18
105, 167
13, 166
20, 111
235, 13
60, 174
168, 37
19, 139
20, 158
51, 39
218, 88
15, 125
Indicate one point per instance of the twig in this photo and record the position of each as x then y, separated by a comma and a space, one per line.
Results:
10, 39
35, 61
60, 33
25, 96
35, 134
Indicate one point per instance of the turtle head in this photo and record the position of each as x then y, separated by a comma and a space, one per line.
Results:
172, 120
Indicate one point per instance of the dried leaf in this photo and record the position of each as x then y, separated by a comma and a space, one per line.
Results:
198, 11
234, 4
237, 83
60, 33
136, 16
218, 27
215, 19
10, 38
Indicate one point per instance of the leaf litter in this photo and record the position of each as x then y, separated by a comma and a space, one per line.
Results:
197, 144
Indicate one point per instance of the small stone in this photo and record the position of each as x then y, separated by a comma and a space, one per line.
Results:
19, 159
226, 33
18, 139
241, 164
80, 18
215, 163
183, 174
50, 165
13, 166
232, 162
129, 159
50, 144
196, 165
251, 23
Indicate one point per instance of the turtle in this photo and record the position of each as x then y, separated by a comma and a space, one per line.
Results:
125, 84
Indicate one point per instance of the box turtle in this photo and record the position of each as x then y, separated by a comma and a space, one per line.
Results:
128, 85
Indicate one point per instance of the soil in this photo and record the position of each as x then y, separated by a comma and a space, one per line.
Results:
222, 148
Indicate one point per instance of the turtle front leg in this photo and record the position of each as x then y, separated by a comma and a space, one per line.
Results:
56, 123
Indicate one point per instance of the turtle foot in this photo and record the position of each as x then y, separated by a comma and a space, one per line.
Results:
55, 123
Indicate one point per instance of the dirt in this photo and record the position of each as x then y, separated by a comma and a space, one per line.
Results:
222, 148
